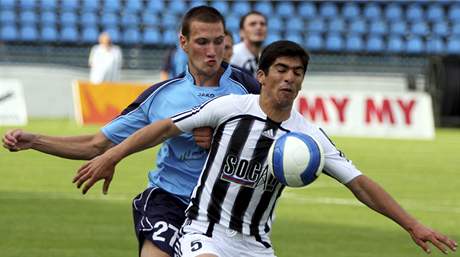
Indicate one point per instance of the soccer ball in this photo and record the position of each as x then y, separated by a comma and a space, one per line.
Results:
295, 159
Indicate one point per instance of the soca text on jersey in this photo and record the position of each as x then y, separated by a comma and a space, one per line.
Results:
247, 173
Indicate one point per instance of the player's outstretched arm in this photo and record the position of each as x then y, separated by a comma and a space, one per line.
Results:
72, 147
375, 197
103, 166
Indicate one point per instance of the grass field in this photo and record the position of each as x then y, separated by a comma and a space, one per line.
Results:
43, 215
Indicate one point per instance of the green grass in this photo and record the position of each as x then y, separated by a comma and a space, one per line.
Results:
43, 215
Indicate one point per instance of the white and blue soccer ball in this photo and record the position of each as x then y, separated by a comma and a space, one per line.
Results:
295, 159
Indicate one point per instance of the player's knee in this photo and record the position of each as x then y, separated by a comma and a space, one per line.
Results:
150, 250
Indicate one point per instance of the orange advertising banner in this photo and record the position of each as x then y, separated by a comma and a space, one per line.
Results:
99, 104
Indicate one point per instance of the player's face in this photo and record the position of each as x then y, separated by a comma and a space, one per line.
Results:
204, 47
283, 81
254, 28
228, 48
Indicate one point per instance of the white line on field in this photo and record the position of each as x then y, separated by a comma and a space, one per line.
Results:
407, 204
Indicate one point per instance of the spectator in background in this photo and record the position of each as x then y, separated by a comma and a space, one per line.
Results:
253, 31
228, 46
105, 60
174, 63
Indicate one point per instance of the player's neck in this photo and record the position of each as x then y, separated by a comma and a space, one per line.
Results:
274, 112
253, 48
106, 46
205, 80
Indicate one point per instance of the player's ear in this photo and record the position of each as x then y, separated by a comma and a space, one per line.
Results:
183, 42
260, 76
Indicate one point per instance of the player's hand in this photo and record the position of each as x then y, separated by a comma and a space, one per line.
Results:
422, 235
203, 136
17, 140
101, 167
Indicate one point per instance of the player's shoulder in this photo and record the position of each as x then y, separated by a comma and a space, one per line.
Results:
231, 100
239, 54
243, 78
298, 122
232, 105
96, 47
239, 46
169, 83
153, 90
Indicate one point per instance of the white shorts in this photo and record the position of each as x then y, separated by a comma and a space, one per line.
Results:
224, 242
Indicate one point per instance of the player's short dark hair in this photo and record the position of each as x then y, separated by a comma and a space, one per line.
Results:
243, 18
201, 13
282, 48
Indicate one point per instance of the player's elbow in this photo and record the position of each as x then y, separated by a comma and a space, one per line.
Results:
359, 187
98, 145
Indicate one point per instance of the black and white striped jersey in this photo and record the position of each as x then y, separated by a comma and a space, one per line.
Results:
235, 188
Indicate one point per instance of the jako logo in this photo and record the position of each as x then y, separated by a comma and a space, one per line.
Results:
206, 94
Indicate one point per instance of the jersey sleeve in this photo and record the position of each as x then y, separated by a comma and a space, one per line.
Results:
134, 117
210, 113
124, 125
336, 164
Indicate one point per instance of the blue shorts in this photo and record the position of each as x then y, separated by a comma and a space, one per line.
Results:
158, 216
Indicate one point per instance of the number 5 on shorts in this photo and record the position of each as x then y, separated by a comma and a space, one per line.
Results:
196, 245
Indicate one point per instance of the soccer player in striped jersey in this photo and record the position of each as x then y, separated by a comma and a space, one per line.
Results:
231, 208
159, 210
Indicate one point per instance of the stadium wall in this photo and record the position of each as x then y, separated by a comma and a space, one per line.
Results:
48, 88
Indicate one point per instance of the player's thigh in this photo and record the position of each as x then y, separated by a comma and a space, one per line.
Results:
158, 217
197, 245
150, 250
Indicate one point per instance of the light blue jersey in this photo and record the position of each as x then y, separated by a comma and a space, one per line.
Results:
180, 160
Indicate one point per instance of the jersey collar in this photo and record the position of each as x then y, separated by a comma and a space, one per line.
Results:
225, 75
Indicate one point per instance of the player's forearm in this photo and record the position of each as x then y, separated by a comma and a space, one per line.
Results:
376, 198
75, 147
144, 138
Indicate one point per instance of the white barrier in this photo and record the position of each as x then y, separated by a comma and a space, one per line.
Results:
369, 114
12, 103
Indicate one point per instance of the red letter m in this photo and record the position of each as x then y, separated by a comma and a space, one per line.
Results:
383, 111
311, 111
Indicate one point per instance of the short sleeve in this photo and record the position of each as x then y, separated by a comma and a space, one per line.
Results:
125, 125
336, 164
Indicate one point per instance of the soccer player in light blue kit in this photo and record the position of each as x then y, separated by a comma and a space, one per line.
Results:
159, 210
